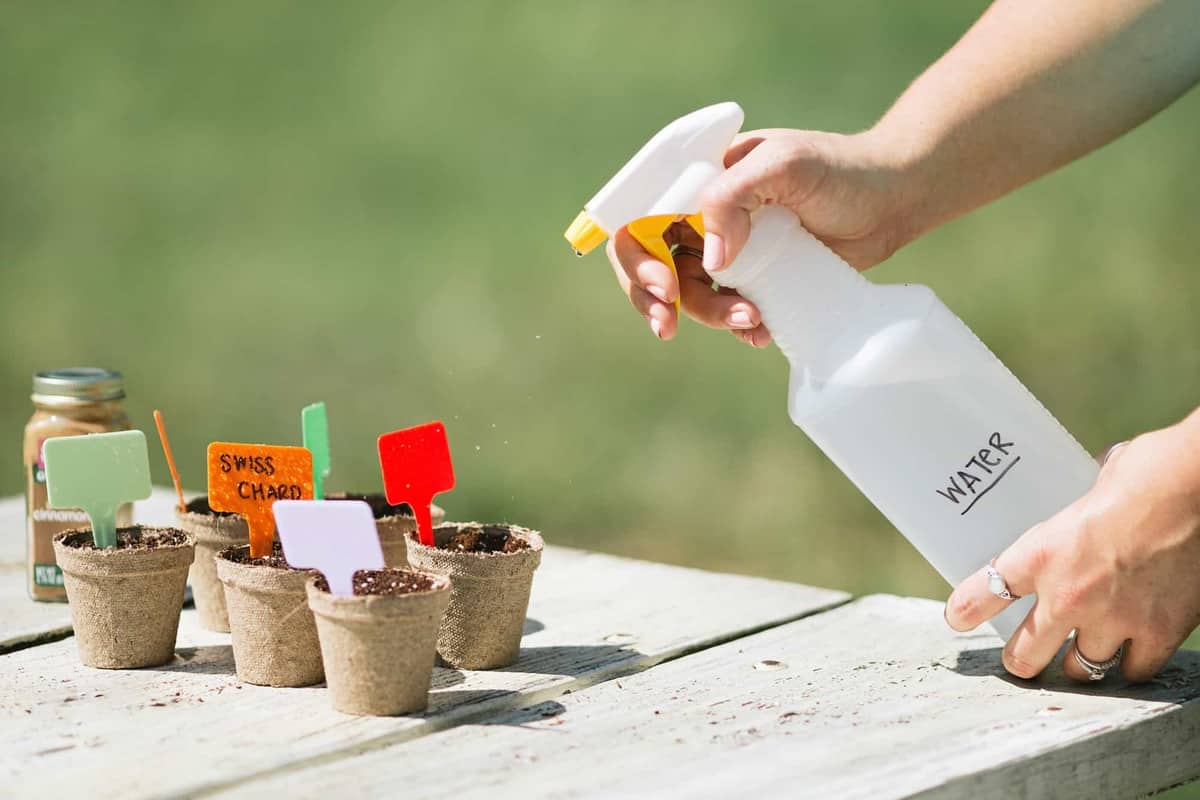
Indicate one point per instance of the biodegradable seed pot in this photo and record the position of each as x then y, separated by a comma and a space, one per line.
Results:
379, 644
491, 572
214, 532
394, 523
125, 601
274, 636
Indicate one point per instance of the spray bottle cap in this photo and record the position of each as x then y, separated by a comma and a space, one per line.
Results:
663, 181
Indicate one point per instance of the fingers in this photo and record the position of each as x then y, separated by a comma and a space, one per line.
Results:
762, 169
724, 308
650, 284
972, 603
652, 288
660, 316
1145, 658
716, 309
1094, 643
643, 269
746, 141
758, 337
1035, 643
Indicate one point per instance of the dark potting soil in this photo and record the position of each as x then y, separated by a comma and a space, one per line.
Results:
380, 507
484, 539
240, 554
386, 582
135, 537
200, 506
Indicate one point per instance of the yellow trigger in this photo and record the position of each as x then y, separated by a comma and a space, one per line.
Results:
648, 231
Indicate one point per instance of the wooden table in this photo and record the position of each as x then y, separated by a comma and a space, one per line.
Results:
635, 679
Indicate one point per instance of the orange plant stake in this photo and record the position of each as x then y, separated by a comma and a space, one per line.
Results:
166, 445
247, 479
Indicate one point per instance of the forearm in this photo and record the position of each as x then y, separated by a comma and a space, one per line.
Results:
1033, 85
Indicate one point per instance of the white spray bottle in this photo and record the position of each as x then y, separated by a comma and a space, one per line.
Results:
887, 381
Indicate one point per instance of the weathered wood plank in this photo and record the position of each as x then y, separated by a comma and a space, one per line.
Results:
191, 727
877, 699
22, 621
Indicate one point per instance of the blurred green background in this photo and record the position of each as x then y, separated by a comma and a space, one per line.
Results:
250, 207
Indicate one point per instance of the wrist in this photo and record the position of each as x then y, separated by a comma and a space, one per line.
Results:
1188, 430
1181, 455
902, 174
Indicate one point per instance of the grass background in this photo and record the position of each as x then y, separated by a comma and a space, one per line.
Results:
249, 207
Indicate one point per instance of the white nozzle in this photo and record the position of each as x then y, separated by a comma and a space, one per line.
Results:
669, 173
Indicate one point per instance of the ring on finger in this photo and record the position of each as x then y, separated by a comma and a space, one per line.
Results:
996, 583
678, 250
1109, 452
1096, 670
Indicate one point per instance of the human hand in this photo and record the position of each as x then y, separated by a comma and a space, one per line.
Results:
846, 190
1118, 566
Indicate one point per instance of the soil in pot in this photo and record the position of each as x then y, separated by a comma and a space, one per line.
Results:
491, 573
274, 635
484, 539
214, 532
379, 644
393, 522
125, 601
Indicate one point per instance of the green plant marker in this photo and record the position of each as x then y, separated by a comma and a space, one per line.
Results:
315, 425
97, 472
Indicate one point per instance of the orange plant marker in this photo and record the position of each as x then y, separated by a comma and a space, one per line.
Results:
166, 445
247, 479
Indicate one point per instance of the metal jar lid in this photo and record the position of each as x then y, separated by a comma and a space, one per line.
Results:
89, 384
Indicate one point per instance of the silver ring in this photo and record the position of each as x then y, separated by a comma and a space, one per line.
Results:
1109, 452
684, 250
1096, 670
996, 583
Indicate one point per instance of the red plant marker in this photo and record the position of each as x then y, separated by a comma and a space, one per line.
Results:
416, 466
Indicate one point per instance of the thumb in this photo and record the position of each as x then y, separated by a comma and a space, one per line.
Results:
765, 167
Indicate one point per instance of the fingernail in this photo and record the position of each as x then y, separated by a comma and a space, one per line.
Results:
658, 292
656, 326
714, 252
740, 319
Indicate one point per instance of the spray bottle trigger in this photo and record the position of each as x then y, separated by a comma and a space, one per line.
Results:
648, 231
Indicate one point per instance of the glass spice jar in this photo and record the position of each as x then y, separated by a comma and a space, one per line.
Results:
67, 402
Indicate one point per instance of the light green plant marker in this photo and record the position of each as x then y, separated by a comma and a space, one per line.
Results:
97, 472
315, 425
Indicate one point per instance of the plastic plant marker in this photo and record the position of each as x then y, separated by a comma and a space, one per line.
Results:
416, 466
98, 472
337, 537
247, 479
315, 426
166, 446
